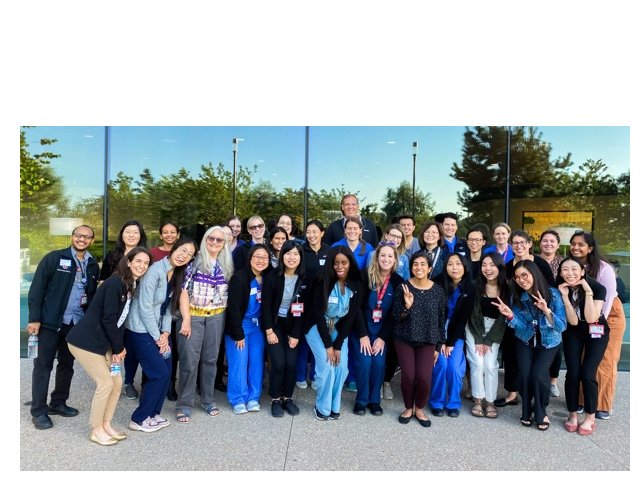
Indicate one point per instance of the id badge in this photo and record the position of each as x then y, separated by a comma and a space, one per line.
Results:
297, 309
333, 300
83, 300
377, 315
259, 296
596, 330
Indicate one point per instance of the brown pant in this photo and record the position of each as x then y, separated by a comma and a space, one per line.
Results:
608, 369
108, 388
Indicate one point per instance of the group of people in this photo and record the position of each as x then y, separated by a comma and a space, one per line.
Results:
336, 307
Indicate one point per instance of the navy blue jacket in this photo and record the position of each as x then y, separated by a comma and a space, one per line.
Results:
51, 287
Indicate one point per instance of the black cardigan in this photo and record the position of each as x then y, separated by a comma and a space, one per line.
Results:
315, 316
272, 291
238, 301
461, 314
98, 330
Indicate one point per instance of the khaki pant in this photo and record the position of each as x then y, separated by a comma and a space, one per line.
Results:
607, 374
108, 388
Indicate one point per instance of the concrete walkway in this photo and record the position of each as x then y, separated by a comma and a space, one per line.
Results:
256, 441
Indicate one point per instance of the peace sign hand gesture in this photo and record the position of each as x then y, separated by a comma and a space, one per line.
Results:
540, 302
408, 296
503, 308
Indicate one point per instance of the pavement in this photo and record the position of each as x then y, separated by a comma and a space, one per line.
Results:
259, 442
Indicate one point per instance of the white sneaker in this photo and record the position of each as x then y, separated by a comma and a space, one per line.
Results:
147, 425
314, 385
387, 393
253, 406
554, 391
161, 421
301, 385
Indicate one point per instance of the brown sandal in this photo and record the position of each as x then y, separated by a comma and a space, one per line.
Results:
476, 410
490, 410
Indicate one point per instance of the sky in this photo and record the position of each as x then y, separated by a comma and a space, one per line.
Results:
366, 160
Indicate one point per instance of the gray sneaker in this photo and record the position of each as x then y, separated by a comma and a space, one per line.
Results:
555, 391
387, 393
147, 425
161, 421
130, 391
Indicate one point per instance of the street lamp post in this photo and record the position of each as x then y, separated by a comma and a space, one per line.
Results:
235, 155
415, 154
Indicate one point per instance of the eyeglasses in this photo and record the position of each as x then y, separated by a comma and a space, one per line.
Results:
393, 235
519, 244
186, 252
79, 236
474, 240
215, 240
522, 277
257, 226
260, 257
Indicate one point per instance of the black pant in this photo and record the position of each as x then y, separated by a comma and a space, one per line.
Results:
390, 361
554, 369
282, 376
510, 364
582, 355
50, 343
533, 364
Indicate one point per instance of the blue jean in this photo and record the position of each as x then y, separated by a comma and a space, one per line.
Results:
370, 369
157, 370
328, 378
246, 366
446, 382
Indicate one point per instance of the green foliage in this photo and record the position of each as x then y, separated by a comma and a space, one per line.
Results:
399, 201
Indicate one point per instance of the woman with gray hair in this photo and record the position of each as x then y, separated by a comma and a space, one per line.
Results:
203, 305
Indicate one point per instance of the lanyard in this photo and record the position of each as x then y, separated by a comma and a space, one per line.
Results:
382, 292
83, 270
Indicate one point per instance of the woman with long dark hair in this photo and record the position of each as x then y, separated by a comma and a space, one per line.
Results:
450, 368
484, 332
283, 298
277, 237
234, 222
131, 235
169, 234
585, 341
147, 334
419, 311
584, 248
334, 299
538, 319
97, 341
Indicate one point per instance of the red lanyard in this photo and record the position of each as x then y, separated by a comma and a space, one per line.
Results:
381, 292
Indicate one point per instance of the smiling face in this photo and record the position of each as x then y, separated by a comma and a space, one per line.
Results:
501, 236
350, 207
386, 259
314, 235
236, 226
420, 268
489, 269
169, 235
407, 226
450, 227
82, 238
182, 255
549, 244
277, 241
285, 222
215, 242
455, 268
352, 231
521, 246
431, 236
475, 242
139, 264
341, 266
291, 259
259, 261
571, 272
394, 236
131, 236
524, 279
256, 229
580, 248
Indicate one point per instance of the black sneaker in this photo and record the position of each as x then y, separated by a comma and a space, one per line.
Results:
359, 409
334, 415
290, 407
130, 391
454, 412
437, 412
320, 416
276, 408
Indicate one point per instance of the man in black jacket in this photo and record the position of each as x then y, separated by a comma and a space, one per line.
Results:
62, 288
351, 208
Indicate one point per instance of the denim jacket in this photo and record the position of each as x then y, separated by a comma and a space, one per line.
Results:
524, 316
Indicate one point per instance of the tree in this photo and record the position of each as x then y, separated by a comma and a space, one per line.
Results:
400, 200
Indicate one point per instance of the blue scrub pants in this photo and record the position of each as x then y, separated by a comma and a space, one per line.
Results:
328, 378
446, 381
370, 369
246, 366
